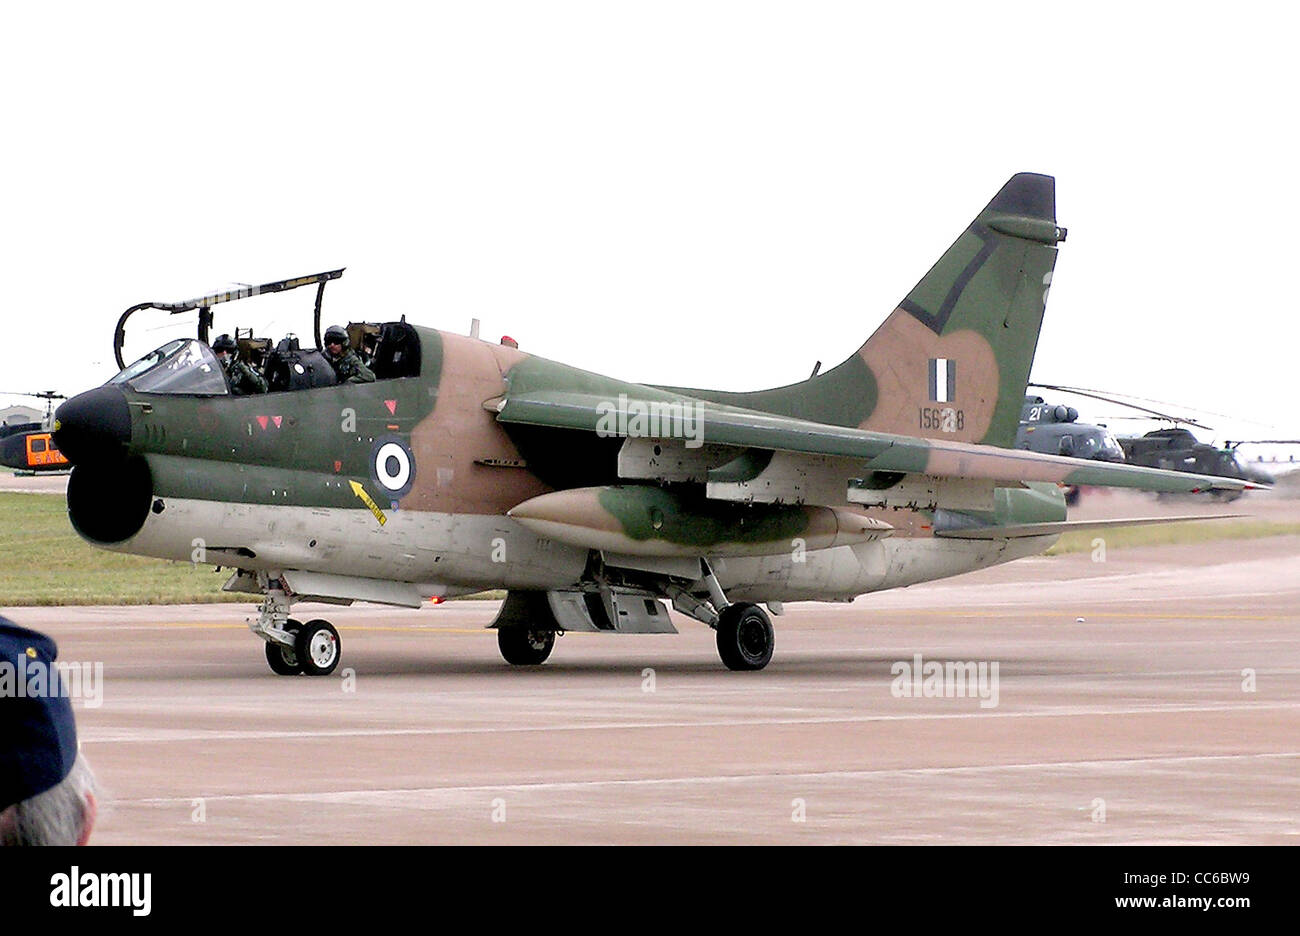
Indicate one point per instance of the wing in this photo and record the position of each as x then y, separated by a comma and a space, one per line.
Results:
745, 455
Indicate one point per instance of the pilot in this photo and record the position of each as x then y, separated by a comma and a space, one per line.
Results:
243, 379
47, 793
368, 345
346, 363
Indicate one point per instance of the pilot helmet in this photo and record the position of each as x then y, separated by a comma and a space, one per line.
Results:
224, 343
336, 333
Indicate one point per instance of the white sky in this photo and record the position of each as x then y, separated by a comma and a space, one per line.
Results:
698, 193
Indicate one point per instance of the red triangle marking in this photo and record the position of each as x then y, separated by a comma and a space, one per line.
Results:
277, 420
261, 421
392, 406
338, 465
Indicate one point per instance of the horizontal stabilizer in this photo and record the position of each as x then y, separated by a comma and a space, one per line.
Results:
1016, 531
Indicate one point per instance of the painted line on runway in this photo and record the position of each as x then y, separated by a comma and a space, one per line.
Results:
555, 786
1122, 615
110, 736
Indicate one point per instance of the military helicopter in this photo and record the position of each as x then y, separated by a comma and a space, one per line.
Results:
29, 447
1175, 448
1178, 449
1054, 430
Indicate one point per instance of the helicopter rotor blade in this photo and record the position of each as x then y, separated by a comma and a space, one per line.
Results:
1233, 445
1093, 394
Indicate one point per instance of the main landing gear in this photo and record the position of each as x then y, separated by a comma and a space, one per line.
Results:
745, 637
312, 649
744, 631
523, 646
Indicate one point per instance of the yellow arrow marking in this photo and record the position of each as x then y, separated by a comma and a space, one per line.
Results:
358, 490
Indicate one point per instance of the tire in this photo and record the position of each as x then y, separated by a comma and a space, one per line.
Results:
318, 648
284, 660
745, 637
523, 646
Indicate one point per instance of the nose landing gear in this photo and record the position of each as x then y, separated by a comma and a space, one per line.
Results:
293, 648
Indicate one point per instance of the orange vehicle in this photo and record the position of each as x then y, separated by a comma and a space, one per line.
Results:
42, 452
32, 450
27, 446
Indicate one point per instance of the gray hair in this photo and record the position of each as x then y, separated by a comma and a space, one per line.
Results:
59, 816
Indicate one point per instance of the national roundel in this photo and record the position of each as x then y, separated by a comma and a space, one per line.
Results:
392, 465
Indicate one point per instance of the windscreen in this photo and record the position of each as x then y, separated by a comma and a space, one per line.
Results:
182, 366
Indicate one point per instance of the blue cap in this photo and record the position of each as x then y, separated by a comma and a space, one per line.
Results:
38, 736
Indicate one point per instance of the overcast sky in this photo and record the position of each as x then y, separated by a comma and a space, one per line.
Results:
702, 193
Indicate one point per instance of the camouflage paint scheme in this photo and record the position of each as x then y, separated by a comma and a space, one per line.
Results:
508, 481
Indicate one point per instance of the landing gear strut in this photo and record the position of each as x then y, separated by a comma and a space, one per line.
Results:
744, 631
293, 648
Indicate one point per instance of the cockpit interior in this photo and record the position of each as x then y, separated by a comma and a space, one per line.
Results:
188, 366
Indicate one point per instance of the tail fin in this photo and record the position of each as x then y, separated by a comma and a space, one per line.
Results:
953, 359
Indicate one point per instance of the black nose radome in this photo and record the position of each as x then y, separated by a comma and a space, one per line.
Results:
93, 426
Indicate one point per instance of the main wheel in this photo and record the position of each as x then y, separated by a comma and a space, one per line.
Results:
523, 646
745, 637
318, 648
283, 660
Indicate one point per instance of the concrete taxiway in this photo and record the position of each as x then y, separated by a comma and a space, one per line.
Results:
1153, 697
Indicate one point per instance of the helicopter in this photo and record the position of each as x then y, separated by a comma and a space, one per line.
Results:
29, 447
1175, 448
1178, 449
1054, 430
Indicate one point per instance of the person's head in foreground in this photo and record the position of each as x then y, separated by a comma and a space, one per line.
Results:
47, 793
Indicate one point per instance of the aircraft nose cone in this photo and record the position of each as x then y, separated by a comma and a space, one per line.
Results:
93, 426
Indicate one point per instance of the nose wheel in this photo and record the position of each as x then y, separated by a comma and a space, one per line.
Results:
283, 659
317, 648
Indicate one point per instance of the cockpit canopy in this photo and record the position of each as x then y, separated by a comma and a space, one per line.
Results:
185, 365
188, 366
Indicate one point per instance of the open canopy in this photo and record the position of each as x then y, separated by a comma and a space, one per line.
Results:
204, 306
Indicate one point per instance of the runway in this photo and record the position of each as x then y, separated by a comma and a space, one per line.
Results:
1137, 724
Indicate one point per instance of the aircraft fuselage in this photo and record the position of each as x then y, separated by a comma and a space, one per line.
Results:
408, 481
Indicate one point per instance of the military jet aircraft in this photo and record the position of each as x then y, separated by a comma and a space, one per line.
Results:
469, 465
